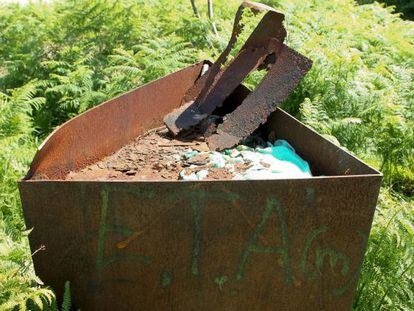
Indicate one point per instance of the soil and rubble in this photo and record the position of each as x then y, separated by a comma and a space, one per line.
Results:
156, 156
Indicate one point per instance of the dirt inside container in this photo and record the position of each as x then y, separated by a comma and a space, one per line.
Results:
156, 155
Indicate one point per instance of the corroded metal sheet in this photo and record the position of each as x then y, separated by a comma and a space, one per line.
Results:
262, 245
103, 129
265, 49
293, 244
282, 78
266, 39
210, 245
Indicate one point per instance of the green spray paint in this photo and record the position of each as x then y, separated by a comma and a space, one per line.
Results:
101, 260
354, 278
322, 253
165, 279
220, 281
253, 247
195, 200
334, 256
308, 243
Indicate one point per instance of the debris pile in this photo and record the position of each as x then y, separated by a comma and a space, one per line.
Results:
156, 156
208, 136
276, 161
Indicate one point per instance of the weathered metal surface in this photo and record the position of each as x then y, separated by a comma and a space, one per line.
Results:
282, 78
291, 244
228, 245
107, 127
264, 48
324, 157
267, 38
224, 245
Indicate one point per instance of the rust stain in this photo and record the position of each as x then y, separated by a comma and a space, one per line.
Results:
188, 257
283, 77
235, 204
265, 49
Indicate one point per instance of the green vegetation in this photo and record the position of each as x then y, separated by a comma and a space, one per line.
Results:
58, 60
405, 7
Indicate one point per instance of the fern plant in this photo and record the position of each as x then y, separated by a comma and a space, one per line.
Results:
20, 288
387, 277
67, 301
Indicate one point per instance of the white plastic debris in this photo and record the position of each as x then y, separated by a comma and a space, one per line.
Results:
276, 161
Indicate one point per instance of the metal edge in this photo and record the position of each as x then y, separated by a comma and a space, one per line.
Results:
375, 171
40, 150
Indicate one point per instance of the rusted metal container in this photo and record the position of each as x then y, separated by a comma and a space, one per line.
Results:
294, 244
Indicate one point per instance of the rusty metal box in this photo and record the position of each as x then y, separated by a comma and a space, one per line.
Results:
294, 244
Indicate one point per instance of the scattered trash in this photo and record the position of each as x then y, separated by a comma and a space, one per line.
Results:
277, 161
144, 159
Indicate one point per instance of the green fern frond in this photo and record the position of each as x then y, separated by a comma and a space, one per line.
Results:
66, 303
